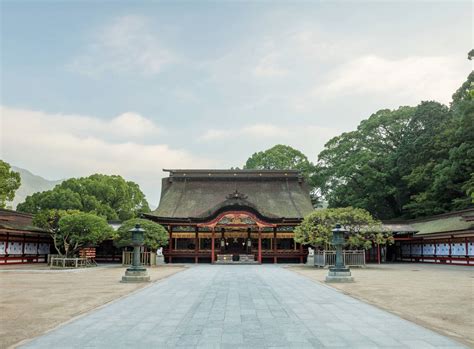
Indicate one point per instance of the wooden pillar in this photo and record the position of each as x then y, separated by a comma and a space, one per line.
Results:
301, 253
212, 245
23, 249
422, 248
275, 258
466, 244
6, 247
435, 253
259, 245
170, 258
196, 245
223, 245
37, 248
378, 253
249, 238
450, 257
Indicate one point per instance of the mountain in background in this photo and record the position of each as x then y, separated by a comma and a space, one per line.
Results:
30, 184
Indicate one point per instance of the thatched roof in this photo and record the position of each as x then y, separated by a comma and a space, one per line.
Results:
201, 194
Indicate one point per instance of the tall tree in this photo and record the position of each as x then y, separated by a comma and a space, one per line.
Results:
411, 162
108, 196
359, 168
284, 157
9, 182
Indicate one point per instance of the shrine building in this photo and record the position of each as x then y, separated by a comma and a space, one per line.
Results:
228, 216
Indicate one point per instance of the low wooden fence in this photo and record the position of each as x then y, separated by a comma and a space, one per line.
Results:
354, 258
61, 262
146, 258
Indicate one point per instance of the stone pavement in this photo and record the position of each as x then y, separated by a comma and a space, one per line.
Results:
240, 306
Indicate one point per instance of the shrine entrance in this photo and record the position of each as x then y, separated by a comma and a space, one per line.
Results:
235, 246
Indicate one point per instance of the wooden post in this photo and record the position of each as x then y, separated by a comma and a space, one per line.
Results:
196, 245
450, 257
6, 248
212, 245
170, 258
23, 249
378, 253
301, 253
466, 244
260, 245
37, 248
275, 258
435, 253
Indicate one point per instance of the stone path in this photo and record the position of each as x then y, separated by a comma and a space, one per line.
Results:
245, 306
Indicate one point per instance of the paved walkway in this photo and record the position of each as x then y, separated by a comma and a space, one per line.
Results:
261, 306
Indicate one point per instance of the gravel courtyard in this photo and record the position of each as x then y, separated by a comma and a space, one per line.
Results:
440, 297
261, 306
34, 299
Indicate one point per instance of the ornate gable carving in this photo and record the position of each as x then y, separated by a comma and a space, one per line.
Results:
236, 195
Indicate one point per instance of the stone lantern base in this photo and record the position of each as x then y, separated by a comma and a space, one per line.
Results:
339, 275
136, 275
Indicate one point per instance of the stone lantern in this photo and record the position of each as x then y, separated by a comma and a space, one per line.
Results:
137, 272
339, 273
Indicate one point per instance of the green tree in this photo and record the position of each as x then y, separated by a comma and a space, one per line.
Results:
155, 235
108, 196
363, 229
360, 168
72, 229
409, 162
283, 157
81, 230
9, 182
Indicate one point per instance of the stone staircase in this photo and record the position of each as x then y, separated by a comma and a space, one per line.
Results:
236, 259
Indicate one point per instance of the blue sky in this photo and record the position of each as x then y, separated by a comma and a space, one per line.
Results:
134, 87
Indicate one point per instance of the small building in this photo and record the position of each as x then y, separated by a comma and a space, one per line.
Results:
445, 238
20, 241
221, 215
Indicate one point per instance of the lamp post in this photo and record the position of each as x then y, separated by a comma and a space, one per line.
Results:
137, 272
339, 273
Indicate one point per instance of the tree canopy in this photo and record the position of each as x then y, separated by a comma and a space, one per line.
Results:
109, 196
284, 157
71, 230
363, 229
408, 162
9, 182
155, 235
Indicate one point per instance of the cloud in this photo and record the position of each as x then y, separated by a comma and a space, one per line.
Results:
126, 45
412, 78
128, 126
62, 146
310, 139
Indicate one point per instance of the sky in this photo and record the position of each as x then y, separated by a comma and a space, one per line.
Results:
133, 87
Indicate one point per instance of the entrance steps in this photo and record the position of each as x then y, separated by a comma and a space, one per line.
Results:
236, 259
